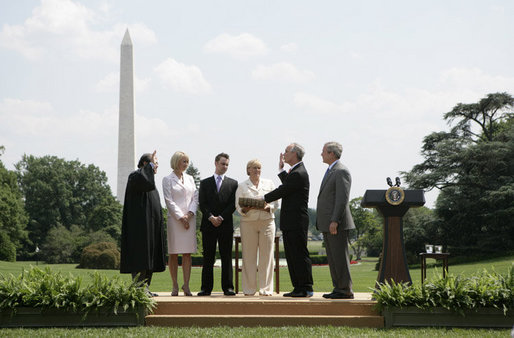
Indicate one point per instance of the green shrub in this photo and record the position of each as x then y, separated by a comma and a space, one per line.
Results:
51, 290
318, 259
7, 248
103, 255
455, 293
196, 259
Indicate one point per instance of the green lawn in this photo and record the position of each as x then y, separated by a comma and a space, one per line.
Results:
317, 331
363, 274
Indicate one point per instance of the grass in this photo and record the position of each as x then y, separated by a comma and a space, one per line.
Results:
363, 276
302, 331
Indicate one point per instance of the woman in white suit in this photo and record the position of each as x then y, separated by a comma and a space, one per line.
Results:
181, 197
257, 233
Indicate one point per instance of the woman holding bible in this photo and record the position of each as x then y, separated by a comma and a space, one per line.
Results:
257, 232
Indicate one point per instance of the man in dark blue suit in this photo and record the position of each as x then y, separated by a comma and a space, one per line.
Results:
217, 202
294, 219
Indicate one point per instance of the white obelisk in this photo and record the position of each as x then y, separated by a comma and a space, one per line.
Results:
126, 135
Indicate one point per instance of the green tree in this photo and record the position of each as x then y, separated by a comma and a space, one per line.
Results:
367, 235
13, 219
63, 245
107, 217
60, 192
473, 166
193, 171
419, 228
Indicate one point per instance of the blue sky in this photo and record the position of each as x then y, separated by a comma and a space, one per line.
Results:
248, 78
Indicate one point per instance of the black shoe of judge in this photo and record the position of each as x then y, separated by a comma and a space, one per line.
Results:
204, 293
289, 294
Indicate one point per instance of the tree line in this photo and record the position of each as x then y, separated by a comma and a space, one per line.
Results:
59, 207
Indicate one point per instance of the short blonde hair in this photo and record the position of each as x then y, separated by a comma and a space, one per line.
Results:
252, 163
175, 159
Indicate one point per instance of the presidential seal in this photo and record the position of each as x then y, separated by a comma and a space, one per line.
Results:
395, 195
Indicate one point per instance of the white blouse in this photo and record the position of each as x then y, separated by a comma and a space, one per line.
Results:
248, 189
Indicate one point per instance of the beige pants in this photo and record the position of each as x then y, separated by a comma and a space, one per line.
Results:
257, 239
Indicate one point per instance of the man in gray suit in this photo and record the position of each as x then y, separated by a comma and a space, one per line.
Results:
334, 220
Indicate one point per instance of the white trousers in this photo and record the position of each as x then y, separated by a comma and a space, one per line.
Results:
257, 239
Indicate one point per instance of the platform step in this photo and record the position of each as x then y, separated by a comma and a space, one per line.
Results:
263, 320
220, 310
312, 308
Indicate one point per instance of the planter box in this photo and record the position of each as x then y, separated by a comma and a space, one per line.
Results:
36, 317
412, 316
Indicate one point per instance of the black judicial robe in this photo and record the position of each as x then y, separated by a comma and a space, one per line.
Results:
142, 229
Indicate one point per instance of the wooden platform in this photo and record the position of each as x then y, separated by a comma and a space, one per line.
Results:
276, 310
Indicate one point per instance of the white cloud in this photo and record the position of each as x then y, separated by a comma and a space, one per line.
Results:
64, 27
283, 72
475, 80
181, 77
111, 83
238, 46
289, 47
381, 103
39, 119
24, 117
317, 104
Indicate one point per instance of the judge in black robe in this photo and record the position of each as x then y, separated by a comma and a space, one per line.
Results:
142, 230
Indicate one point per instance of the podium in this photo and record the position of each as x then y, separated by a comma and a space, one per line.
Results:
393, 265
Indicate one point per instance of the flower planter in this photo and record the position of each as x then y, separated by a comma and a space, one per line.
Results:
36, 317
413, 316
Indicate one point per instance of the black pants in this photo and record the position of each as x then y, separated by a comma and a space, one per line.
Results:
298, 261
224, 239
144, 276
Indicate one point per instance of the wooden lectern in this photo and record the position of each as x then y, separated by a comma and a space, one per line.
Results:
393, 265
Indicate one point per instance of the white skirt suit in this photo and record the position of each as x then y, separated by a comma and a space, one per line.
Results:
257, 239
180, 198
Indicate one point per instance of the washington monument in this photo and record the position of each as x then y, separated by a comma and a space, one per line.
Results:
126, 135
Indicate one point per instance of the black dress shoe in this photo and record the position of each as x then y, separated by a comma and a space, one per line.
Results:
289, 294
204, 293
302, 294
229, 292
337, 295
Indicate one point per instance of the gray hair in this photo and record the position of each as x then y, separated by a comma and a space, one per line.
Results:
299, 150
335, 148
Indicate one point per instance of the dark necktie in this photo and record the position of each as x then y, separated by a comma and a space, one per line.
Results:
325, 176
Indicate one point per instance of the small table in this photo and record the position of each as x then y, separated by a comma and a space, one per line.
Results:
237, 239
436, 256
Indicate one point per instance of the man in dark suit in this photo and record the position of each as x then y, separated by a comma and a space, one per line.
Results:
334, 220
294, 219
217, 202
